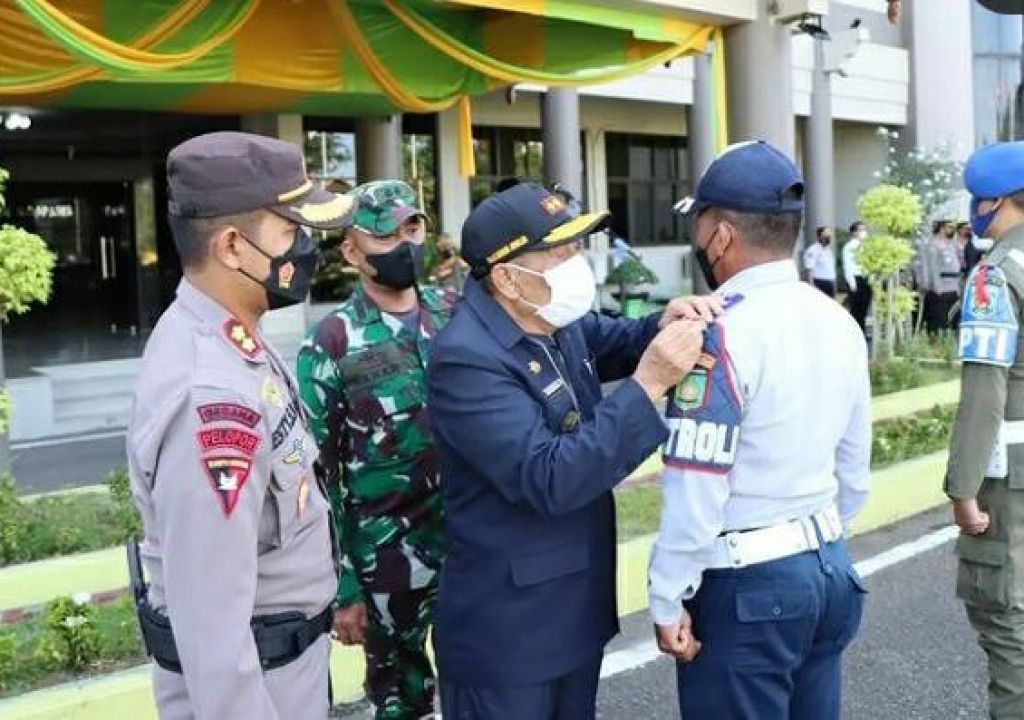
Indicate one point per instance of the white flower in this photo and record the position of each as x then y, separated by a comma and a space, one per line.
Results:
81, 598
74, 621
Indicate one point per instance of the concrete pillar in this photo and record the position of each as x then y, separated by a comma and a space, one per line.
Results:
701, 141
819, 149
284, 328
940, 60
453, 188
378, 148
560, 132
760, 88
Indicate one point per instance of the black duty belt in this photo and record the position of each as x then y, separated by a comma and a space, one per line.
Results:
280, 638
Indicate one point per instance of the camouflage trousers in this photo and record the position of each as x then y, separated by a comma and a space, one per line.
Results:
399, 677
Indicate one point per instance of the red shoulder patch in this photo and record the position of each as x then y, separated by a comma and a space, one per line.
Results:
236, 333
231, 437
228, 476
228, 412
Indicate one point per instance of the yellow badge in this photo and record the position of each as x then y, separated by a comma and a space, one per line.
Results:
240, 337
534, 367
303, 495
297, 455
272, 392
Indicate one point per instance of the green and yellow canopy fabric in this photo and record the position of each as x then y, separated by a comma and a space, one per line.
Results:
327, 57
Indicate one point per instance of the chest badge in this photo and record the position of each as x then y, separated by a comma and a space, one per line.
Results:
272, 393
534, 367
297, 454
571, 421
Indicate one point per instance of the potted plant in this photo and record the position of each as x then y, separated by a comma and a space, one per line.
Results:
629, 275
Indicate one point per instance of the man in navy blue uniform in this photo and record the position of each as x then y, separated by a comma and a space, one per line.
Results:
529, 453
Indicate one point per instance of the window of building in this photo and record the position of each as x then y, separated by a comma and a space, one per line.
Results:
646, 175
502, 153
997, 46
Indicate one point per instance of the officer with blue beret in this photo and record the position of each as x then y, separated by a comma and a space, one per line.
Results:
751, 586
530, 450
985, 474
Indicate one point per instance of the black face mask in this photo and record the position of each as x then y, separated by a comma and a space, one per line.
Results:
399, 268
291, 273
707, 268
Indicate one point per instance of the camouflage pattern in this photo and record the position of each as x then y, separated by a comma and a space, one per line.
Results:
362, 376
382, 206
399, 677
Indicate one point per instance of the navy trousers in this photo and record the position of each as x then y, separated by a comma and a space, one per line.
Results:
773, 636
569, 697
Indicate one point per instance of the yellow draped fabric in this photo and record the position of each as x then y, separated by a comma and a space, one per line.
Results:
349, 56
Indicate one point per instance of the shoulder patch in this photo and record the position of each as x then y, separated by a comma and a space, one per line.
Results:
228, 476
230, 438
228, 412
988, 325
704, 413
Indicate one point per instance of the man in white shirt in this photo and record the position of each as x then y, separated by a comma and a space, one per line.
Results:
856, 281
751, 586
820, 262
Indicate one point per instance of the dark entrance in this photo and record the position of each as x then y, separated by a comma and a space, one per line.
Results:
93, 313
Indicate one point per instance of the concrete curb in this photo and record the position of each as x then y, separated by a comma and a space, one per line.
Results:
898, 492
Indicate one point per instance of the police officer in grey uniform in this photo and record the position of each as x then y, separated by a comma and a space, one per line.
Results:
985, 475
941, 265
237, 541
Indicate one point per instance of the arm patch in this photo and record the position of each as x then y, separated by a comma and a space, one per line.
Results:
988, 324
704, 412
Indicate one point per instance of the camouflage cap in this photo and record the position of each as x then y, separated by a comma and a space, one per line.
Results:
383, 205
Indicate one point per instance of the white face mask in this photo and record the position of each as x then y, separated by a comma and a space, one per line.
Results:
573, 289
983, 244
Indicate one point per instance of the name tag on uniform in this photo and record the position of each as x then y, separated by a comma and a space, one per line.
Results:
988, 326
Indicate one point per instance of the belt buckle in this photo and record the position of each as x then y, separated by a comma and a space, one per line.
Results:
732, 549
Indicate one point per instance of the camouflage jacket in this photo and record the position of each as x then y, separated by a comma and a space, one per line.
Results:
362, 376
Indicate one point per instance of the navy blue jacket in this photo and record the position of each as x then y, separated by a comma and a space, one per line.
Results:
528, 588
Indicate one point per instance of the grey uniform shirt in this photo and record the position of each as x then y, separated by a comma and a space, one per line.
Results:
235, 524
942, 264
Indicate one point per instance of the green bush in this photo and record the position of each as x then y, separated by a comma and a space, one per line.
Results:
903, 438
72, 640
888, 376
30, 656
64, 524
8, 659
129, 522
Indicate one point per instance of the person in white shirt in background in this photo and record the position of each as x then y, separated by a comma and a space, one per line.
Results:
856, 280
820, 262
751, 587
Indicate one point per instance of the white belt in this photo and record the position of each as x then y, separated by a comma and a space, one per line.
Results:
740, 549
1011, 432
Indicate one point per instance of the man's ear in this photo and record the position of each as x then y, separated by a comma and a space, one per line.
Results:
352, 254
225, 247
504, 282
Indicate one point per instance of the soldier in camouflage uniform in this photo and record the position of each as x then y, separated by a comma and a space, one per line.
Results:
362, 377
985, 475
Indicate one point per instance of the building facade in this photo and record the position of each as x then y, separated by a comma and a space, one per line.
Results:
91, 183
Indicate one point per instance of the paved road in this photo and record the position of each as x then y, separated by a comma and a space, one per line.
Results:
46, 466
915, 658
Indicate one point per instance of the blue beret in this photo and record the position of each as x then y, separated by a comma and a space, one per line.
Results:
995, 170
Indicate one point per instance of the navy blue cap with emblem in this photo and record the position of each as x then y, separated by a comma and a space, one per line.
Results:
995, 171
748, 177
524, 218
